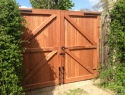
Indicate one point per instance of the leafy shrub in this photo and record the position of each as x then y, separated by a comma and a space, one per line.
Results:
114, 76
10, 48
52, 4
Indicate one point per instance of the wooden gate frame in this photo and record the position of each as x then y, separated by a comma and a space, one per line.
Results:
63, 15
66, 15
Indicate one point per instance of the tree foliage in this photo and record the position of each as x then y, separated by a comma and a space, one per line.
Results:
10, 48
52, 4
114, 76
85, 10
104, 4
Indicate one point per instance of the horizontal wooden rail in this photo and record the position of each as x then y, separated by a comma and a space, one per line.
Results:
79, 29
40, 49
38, 66
92, 13
79, 61
30, 13
81, 47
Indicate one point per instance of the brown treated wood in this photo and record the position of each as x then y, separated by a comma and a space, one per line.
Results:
98, 44
39, 85
74, 79
38, 11
81, 47
62, 43
41, 33
80, 30
92, 13
41, 63
68, 40
40, 49
41, 26
80, 13
78, 60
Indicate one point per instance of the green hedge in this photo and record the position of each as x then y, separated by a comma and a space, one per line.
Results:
114, 76
10, 48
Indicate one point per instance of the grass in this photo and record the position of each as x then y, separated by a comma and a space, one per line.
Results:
77, 91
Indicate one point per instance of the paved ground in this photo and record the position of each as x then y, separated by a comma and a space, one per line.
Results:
87, 86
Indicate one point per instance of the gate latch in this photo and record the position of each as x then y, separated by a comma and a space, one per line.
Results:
61, 70
63, 48
62, 53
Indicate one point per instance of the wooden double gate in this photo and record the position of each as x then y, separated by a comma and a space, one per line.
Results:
63, 47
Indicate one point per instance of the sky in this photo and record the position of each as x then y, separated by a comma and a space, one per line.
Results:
79, 4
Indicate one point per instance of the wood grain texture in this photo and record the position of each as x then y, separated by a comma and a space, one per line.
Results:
40, 49
79, 61
59, 39
79, 29
41, 26
81, 47
81, 38
41, 33
38, 66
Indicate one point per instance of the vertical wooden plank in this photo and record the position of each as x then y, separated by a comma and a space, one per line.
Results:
58, 28
96, 52
98, 40
94, 63
62, 42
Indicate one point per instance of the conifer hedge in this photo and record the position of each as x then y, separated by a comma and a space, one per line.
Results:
10, 48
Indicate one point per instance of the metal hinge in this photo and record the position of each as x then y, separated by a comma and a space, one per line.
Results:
94, 69
29, 11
